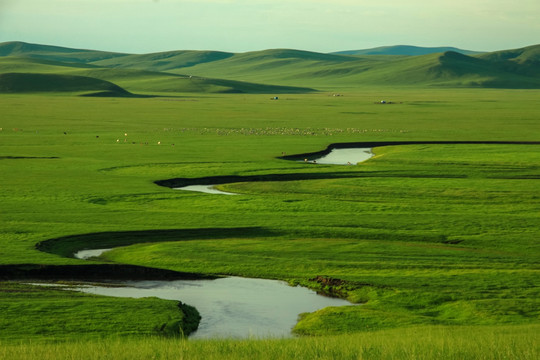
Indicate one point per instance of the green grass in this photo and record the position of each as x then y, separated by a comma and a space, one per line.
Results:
447, 343
52, 314
410, 239
424, 235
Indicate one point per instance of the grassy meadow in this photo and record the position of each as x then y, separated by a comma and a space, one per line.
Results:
438, 242
447, 343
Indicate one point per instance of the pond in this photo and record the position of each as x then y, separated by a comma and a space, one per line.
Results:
232, 307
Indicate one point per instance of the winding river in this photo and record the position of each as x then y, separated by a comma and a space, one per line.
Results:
231, 307
336, 156
241, 307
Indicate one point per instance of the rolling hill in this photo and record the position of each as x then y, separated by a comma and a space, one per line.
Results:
280, 70
29, 83
54, 53
336, 71
164, 61
141, 81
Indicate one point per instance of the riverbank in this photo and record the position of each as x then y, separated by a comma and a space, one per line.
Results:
54, 313
92, 272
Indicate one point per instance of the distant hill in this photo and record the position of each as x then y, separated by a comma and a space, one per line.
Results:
165, 60
335, 71
525, 61
280, 70
406, 50
46, 75
54, 53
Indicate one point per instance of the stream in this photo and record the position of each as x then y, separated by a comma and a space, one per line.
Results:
231, 307
345, 156
235, 307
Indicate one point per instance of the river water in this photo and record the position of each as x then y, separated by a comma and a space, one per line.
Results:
232, 307
87, 254
209, 189
235, 307
347, 156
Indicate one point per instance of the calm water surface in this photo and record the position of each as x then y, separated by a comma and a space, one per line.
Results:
350, 156
232, 307
87, 254
209, 189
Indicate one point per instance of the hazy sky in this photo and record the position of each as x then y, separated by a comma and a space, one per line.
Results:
140, 26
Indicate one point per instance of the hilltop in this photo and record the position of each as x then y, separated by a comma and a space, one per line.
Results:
55, 53
281, 70
406, 50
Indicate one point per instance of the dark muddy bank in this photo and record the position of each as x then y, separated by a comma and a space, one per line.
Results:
67, 246
92, 272
227, 179
372, 144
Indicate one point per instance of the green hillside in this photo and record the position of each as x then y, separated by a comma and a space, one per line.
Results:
140, 81
165, 61
54, 53
448, 69
281, 70
290, 67
525, 61
333, 71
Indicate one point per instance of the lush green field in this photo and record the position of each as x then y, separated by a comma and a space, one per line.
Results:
446, 343
34, 313
424, 235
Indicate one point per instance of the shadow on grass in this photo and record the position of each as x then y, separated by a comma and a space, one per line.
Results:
372, 144
227, 179
93, 272
66, 246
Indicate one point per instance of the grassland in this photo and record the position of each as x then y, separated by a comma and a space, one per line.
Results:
55, 314
447, 343
431, 238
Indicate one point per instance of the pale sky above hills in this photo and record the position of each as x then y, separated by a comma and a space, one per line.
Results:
141, 26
